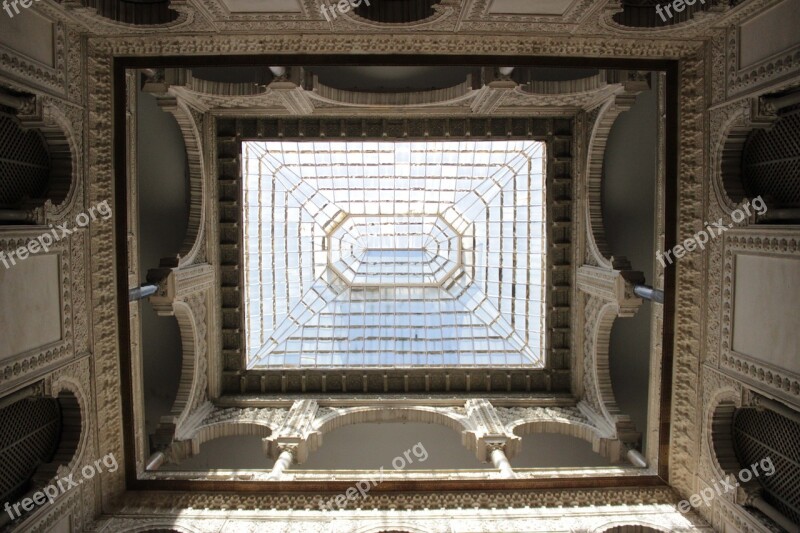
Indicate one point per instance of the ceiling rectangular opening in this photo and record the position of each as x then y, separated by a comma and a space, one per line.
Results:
393, 254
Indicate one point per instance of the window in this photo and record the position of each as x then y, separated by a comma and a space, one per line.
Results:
393, 254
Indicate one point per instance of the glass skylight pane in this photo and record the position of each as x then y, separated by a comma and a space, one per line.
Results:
392, 254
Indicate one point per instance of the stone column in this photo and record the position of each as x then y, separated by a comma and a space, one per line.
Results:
755, 500
284, 461
500, 461
649, 293
762, 402
140, 293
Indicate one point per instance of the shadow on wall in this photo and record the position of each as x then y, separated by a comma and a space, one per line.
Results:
163, 215
552, 450
628, 211
371, 446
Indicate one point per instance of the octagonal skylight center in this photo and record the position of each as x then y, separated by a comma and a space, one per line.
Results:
394, 250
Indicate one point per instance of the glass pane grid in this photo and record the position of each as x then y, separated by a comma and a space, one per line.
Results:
408, 254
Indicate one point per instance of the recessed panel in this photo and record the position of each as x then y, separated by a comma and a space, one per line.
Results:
530, 7
766, 324
263, 6
769, 33
28, 33
30, 304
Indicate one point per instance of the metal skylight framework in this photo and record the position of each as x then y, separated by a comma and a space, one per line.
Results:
394, 254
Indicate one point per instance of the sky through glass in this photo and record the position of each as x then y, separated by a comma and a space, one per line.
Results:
393, 254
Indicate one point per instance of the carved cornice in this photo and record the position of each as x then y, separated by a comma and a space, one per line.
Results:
689, 283
155, 45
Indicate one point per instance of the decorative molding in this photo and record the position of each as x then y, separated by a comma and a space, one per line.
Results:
30, 366
770, 70
51, 78
690, 291
765, 241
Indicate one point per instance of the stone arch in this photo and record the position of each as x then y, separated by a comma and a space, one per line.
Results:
74, 404
65, 151
719, 438
193, 248
365, 415
436, 11
126, 12
631, 526
230, 428
726, 159
601, 444
392, 527
641, 15
728, 148
598, 250
63, 411
190, 314
31, 427
48, 124
165, 526
598, 387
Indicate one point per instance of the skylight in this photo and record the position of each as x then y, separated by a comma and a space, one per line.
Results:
393, 254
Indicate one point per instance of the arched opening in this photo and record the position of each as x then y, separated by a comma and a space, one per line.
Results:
770, 163
37, 437
372, 446
644, 13
552, 450
397, 11
632, 528
30, 431
25, 170
767, 444
138, 12
233, 452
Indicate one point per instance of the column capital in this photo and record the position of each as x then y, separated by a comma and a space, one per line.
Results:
489, 432
297, 433
612, 285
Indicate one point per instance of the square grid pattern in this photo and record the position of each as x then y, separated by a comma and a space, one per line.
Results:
393, 254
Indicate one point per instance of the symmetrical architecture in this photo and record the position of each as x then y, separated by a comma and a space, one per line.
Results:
399, 266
